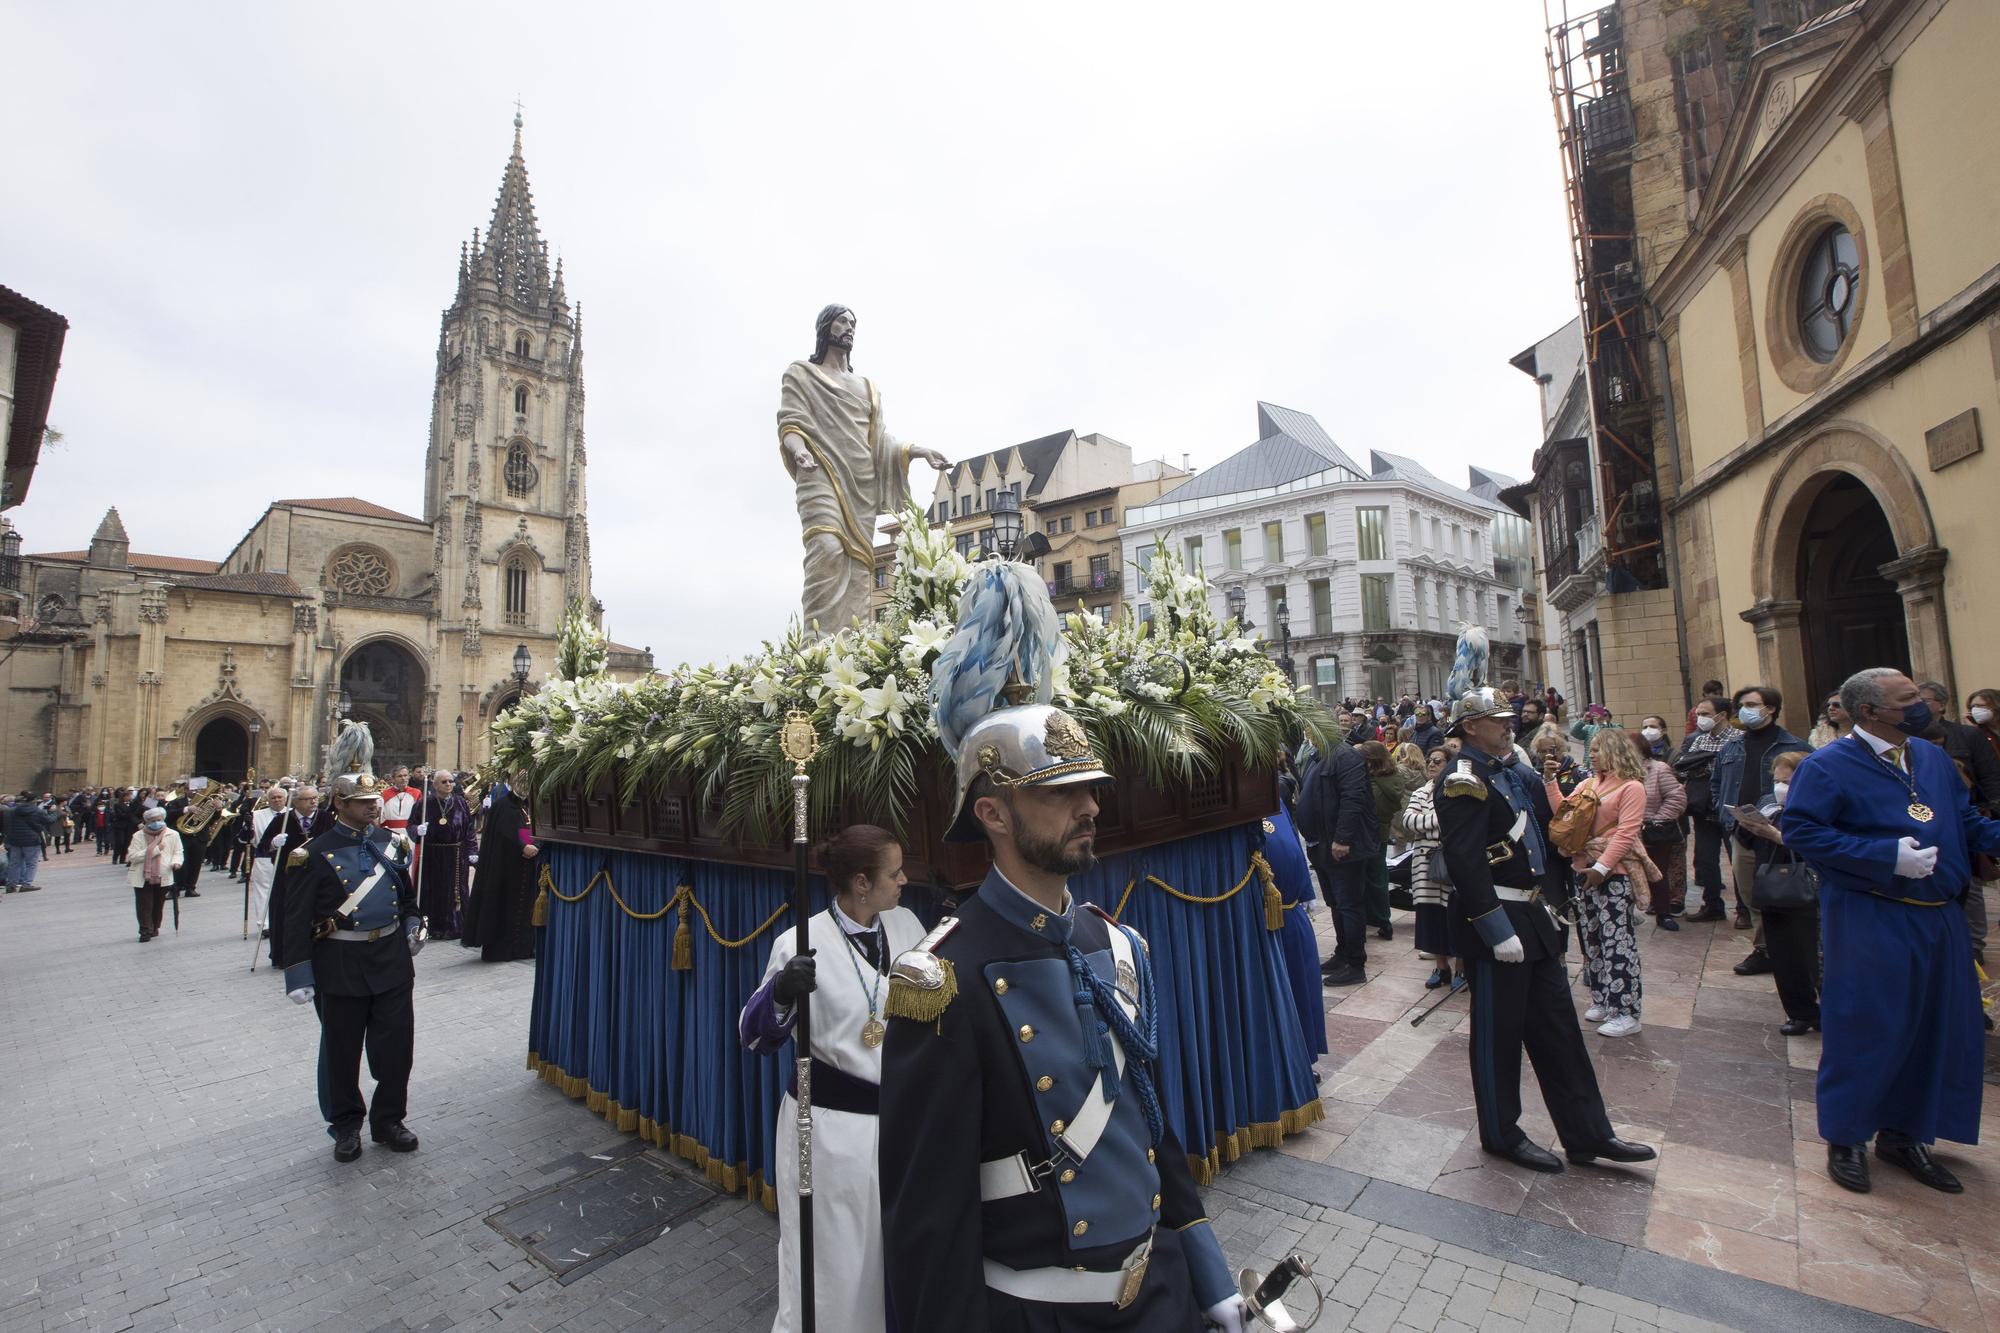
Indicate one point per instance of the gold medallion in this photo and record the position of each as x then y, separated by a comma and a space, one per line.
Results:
1922, 813
872, 1033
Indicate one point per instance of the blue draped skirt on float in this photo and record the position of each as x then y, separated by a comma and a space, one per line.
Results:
646, 961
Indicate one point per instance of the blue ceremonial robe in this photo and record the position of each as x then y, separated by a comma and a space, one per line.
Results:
1287, 858
1900, 1004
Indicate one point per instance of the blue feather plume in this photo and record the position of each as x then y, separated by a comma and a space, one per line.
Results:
1468, 668
1007, 627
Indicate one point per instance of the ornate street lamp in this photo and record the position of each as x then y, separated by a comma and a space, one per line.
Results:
346, 703
1235, 599
523, 663
10, 554
255, 726
1006, 515
458, 757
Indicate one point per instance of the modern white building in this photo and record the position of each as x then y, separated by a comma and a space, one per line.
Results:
1362, 575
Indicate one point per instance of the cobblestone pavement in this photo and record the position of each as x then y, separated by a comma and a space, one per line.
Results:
167, 1168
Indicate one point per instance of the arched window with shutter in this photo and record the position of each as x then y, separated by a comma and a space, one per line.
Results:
521, 400
521, 344
516, 587
520, 470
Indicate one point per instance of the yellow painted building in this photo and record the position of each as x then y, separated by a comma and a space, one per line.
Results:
1832, 329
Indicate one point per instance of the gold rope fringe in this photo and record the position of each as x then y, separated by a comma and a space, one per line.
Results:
737, 1179
1161, 884
740, 1179
683, 937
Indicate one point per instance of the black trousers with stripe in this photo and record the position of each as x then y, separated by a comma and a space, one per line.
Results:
1526, 1006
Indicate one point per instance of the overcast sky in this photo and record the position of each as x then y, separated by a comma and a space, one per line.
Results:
1130, 218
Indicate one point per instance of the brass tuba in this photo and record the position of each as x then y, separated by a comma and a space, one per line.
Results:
196, 818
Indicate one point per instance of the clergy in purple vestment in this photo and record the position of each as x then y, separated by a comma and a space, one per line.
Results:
441, 826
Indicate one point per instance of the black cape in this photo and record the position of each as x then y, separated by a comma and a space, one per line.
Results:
500, 917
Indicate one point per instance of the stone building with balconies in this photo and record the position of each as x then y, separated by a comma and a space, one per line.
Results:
1361, 575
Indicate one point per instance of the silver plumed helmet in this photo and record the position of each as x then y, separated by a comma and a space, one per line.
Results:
1030, 745
1473, 704
356, 787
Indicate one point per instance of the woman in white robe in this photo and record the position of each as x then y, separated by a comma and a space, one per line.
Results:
853, 943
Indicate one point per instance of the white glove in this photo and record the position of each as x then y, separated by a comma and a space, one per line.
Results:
1914, 862
303, 995
1509, 950
473, 859
278, 840
422, 829
1230, 1314
417, 937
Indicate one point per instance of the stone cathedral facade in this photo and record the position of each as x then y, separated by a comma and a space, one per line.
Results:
125, 667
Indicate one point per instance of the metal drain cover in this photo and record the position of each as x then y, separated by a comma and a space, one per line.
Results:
614, 1207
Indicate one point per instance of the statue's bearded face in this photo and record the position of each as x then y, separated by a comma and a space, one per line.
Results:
840, 333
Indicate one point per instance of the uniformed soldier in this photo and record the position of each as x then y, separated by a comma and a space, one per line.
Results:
351, 927
1493, 824
1029, 1180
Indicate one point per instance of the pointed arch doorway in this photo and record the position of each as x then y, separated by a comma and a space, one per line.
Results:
384, 683
222, 750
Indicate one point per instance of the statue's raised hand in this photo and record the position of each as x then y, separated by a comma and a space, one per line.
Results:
931, 456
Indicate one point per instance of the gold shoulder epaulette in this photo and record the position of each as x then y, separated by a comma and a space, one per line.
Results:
1462, 781
298, 856
921, 984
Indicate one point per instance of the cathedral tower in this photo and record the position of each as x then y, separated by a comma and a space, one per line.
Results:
503, 477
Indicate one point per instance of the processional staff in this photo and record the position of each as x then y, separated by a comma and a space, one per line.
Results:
798, 740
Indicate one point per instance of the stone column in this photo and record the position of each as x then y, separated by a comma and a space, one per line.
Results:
1781, 652
1919, 577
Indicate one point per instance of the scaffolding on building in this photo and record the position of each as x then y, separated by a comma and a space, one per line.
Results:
1596, 131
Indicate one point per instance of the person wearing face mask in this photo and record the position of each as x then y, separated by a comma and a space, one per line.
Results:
1743, 777
1664, 831
1710, 689
1695, 767
1886, 821
151, 859
1791, 935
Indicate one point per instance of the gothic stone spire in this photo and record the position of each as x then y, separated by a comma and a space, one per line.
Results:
515, 259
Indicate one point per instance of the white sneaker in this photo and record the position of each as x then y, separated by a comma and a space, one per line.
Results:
1597, 1013
1622, 1026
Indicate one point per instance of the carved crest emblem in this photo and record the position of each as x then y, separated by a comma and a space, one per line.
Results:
989, 757
1127, 981
1065, 738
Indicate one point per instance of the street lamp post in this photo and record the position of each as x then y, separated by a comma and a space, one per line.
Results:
458, 755
1005, 512
256, 725
1285, 643
524, 662
1235, 599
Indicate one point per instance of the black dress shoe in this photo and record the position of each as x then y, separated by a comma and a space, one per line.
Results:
1668, 923
396, 1137
1348, 975
347, 1146
190, 894
1743, 921
1916, 1159
1848, 1165
1756, 965
1798, 1027
1527, 1153
1614, 1150
1706, 914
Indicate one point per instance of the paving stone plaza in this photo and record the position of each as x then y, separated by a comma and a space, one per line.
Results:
167, 1168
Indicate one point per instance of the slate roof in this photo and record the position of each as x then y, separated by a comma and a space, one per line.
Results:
1290, 445
350, 505
1488, 484
1037, 456
1395, 467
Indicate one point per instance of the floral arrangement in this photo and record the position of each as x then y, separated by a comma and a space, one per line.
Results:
1164, 699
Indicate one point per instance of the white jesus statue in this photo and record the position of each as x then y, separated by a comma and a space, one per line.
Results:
847, 471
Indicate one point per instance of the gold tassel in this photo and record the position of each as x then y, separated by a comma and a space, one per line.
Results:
683, 935
922, 1003
540, 916
1274, 902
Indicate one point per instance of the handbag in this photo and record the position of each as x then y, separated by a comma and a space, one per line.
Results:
1401, 896
1788, 885
1663, 833
1576, 821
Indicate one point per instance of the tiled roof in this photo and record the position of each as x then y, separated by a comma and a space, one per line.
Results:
1037, 456
170, 564
264, 582
348, 504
